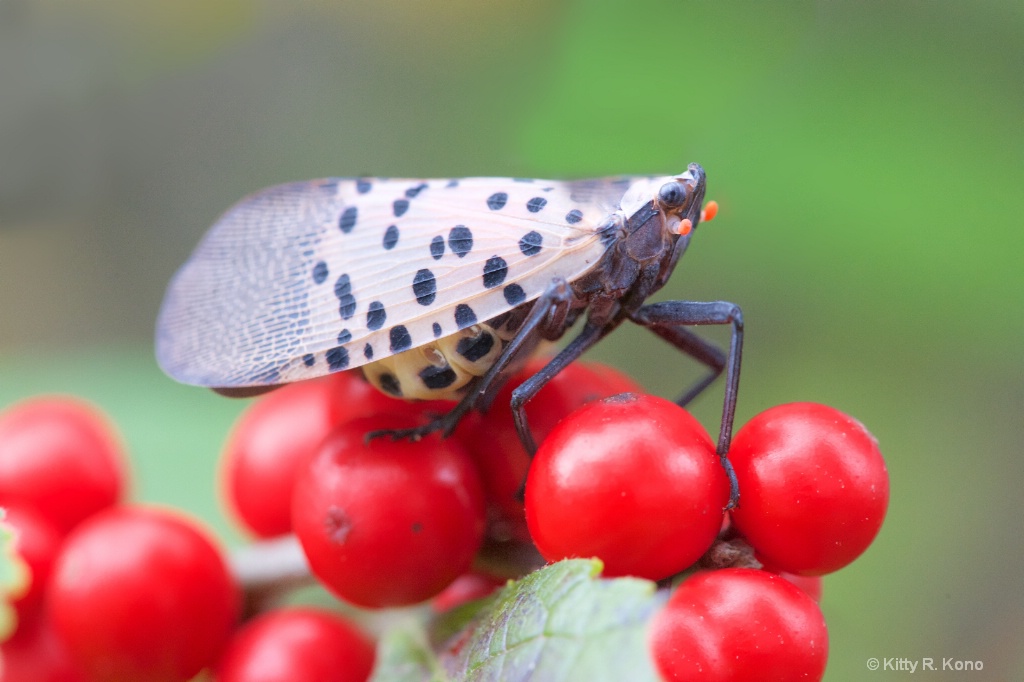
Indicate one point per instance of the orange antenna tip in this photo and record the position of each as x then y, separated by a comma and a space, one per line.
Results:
709, 212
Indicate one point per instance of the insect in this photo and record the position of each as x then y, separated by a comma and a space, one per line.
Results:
435, 288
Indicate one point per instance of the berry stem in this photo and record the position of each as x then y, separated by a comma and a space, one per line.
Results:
267, 569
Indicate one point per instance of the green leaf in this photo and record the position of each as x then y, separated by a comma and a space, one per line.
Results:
561, 623
404, 655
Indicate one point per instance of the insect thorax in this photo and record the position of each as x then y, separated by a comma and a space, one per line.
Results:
443, 368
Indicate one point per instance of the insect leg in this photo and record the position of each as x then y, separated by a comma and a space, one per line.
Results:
549, 311
590, 335
666, 319
551, 303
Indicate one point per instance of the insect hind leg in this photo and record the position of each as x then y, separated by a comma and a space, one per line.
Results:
551, 305
523, 393
445, 423
668, 320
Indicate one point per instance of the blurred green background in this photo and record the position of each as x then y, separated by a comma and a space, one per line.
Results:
868, 157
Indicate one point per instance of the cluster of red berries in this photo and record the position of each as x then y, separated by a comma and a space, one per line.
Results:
623, 476
620, 475
390, 522
632, 478
116, 591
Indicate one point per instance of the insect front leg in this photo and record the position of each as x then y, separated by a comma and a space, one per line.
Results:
668, 319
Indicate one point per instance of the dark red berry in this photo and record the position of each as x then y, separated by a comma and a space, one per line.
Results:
388, 522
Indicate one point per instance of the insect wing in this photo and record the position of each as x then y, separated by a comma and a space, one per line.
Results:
302, 279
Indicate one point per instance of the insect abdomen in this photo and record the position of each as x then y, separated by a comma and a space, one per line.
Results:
439, 370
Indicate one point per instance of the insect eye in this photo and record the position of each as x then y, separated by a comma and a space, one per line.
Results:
672, 195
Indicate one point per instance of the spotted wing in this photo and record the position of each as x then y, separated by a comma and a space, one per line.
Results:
303, 279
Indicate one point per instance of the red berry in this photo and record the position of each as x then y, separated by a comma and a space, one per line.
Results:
269, 443
813, 487
280, 431
36, 654
37, 543
142, 594
59, 456
494, 441
739, 624
297, 645
387, 522
633, 480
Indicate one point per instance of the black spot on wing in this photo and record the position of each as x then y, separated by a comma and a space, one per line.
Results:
400, 339
390, 237
319, 272
497, 201
464, 316
530, 243
437, 247
413, 191
437, 330
347, 221
535, 204
337, 359
344, 336
346, 301
514, 294
368, 352
495, 271
375, 316
424, 286
460, 240
400, 207
308, 360
574, 216
363, 185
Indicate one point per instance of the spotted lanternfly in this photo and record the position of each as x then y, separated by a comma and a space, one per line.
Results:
435, 288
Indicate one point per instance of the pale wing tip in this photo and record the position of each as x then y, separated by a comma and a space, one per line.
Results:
178, 361
186, 348
226, 318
